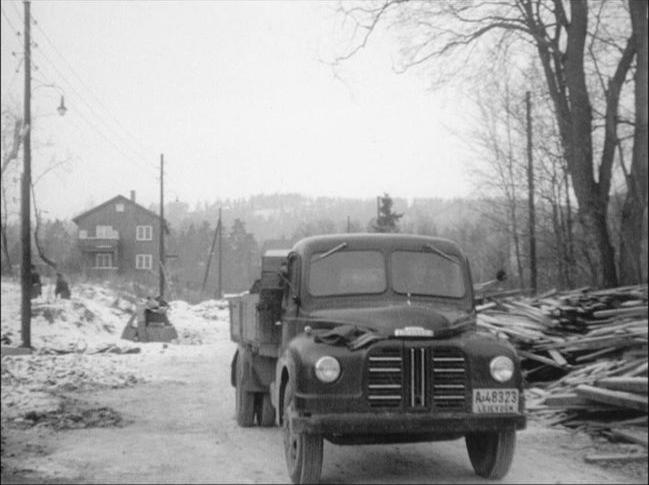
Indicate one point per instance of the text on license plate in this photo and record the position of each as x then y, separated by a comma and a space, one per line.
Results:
495, 400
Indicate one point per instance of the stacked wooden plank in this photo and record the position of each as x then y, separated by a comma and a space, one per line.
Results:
569, 329
592, 344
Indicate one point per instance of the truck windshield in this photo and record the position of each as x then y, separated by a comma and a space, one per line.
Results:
426, 273
347, 272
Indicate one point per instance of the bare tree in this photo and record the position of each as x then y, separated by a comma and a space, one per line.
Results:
454, 32
635, 205
12, 136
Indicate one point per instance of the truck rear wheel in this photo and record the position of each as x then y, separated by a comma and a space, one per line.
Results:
244, 400
491, 454
303, 451
264, 410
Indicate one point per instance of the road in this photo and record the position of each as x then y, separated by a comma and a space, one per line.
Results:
180, 428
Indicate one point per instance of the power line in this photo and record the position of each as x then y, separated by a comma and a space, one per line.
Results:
133, 156
87, 88
83, 99
111, 173
4, 14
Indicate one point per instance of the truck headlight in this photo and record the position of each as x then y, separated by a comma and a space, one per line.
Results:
501, 368
327, 369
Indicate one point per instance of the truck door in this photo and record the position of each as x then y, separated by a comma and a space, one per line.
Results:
291, 299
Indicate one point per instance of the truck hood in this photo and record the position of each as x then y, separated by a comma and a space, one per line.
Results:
386, 319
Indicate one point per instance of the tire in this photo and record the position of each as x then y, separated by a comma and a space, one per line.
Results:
244, 400
491, 454
303, 451
264, 410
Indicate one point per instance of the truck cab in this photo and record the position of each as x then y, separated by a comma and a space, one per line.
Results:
371, 338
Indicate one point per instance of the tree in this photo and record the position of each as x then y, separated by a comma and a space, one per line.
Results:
12, 135
453, 32
386, 220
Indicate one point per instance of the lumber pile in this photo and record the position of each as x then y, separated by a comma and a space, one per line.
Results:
570, 329
584, 353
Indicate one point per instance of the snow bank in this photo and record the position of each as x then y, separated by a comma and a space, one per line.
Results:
204, 323
85, 330
95, 317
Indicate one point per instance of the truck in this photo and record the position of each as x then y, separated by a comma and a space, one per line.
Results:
372, 339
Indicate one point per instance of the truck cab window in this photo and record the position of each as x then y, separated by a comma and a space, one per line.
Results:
347, 272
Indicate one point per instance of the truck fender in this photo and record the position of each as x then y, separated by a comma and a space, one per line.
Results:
284, 371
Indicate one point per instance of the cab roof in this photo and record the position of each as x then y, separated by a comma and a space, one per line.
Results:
376, 241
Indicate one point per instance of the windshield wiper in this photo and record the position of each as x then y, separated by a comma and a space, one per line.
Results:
441, 253
332, 250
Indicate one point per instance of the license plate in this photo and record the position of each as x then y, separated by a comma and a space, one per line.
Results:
495, 401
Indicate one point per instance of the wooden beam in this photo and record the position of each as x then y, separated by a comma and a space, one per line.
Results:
619, 312
628, 384
616, 457
615, 398
631, 435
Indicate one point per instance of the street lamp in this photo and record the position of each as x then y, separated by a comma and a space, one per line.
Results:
62, 109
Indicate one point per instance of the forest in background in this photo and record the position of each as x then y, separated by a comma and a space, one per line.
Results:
261, 222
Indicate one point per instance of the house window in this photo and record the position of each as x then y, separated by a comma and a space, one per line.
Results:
119, 207
144, 233
143, 261
83, 234
104, 260
104, 232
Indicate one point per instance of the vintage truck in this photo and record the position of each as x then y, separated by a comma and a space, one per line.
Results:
371, 338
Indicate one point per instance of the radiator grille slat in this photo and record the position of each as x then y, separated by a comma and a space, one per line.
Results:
449, 379
417, 378
385, 376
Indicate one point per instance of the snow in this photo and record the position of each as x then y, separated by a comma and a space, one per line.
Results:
78, 344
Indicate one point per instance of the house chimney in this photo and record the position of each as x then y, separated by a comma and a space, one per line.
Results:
132, 195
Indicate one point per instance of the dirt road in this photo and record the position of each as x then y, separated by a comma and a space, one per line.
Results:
180, 428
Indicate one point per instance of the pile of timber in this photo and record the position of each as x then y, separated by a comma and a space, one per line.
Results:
596, 344
569, 329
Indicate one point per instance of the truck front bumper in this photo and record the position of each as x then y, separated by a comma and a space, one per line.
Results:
398, 423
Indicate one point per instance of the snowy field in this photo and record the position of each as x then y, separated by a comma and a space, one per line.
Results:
78, 345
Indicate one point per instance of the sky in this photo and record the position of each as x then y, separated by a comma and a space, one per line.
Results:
237, 97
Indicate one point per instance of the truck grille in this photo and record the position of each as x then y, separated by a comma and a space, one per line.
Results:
385, 376
412, 376
449, 379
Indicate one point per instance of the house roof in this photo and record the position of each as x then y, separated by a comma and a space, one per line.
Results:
118, 198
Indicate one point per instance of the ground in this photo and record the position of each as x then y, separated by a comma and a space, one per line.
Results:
166, 415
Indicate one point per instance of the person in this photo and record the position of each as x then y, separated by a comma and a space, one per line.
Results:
155, 310
62, 287
36, 283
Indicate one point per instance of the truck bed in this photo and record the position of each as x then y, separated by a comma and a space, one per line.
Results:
253, 323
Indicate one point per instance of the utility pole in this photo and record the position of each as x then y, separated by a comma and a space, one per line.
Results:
209, 257
25, 270
162, 226
220, 227
530, 196
348, 225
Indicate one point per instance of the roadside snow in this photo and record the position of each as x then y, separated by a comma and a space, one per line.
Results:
78, 345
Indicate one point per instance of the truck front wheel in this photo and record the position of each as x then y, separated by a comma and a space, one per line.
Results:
491, 453
244, 400
303, 451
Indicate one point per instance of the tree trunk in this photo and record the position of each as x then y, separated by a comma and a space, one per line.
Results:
635, 204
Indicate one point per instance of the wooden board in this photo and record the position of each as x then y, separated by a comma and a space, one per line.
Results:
616, 457
637, 385
631, 435
616, 398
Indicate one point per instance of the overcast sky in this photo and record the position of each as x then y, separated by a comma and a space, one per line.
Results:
234, 95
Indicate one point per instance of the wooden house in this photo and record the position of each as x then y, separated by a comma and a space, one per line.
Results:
119, 236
